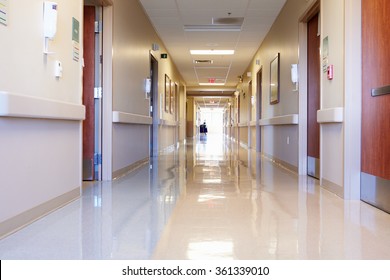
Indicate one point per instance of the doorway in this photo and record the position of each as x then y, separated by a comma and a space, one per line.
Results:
259, 105
154, 106
92, 93
313, 97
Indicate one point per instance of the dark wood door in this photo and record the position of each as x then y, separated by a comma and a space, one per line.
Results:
376, 103
313, 97
88, 93
259, 102
154, 106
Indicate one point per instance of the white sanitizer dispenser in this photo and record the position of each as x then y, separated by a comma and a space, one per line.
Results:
49, 19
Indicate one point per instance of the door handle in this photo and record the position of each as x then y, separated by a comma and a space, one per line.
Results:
380, 91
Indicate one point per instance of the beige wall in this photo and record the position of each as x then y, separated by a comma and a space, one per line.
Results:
133, 36
282, 38
182, 113
332, 95
245, 107
191, 117
243, 134
340, 22
24, 68
40, 166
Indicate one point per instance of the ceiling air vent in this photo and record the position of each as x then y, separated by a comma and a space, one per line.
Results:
203, 61
228, 20
218, 24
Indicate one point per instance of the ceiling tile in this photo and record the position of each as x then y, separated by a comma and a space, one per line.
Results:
158, 4
169, 17
224, 5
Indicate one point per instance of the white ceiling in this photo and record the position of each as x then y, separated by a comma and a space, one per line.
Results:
170, 16
211, 102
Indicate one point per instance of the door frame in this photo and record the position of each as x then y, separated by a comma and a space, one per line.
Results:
313, 159
154, 103
107, 93
302, 73
352, 97
249, 104
89, 128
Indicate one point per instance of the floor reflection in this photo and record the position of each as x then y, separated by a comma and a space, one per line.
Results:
239, 205
112, 220
210, 199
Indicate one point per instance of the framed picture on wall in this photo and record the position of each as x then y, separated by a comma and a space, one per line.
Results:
172, 98
176, 101
167, 93
274, 80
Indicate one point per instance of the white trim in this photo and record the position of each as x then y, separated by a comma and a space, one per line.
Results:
128, 118
253, 123
24, 106
280, 120
353, 99
330, 115
302, 110
107, 98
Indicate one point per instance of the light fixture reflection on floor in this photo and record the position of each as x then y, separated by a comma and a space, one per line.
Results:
206, 250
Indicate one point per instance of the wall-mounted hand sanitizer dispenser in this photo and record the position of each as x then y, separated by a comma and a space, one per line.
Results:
148, 85
49, 19
294, 73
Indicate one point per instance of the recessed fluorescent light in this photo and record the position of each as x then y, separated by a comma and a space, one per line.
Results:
212, 52
207, 61
211, 84
212, 27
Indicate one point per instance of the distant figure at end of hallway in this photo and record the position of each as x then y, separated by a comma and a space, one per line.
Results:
203, 128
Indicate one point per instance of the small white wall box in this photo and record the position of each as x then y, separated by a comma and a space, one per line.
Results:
49, 19
58, 69
148, 85
294, 73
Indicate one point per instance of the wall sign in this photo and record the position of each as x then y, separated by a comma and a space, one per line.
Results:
76, 39
4, 12
325, 54
274, 80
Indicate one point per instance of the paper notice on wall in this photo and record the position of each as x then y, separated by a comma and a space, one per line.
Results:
4, 12
325, 54
76, 51
76, 39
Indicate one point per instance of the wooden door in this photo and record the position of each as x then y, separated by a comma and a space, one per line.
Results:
88, 93
313, 97
154, 106
259, 102
375, 187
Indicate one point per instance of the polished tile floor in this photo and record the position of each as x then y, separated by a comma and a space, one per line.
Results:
210, 199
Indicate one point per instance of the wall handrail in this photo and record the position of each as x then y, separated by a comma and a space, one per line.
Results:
280, 120
24, 106
330, 115
129, 118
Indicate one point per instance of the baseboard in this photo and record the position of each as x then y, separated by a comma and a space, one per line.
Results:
282, 163
20, 221
375, 191
332, 187
124, 171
